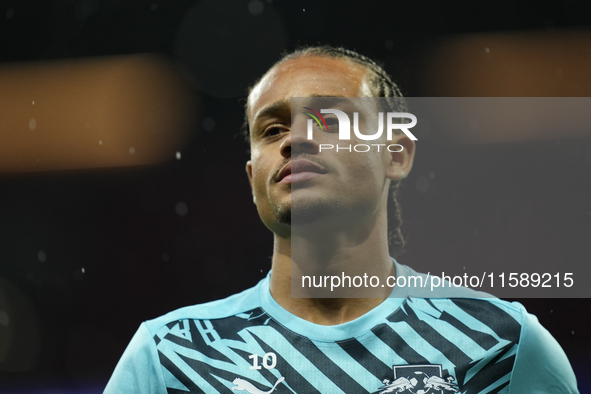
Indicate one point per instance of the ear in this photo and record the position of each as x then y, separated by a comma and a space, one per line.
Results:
249, 174
400, 163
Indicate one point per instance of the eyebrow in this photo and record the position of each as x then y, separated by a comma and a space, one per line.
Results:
284, 104
271, 109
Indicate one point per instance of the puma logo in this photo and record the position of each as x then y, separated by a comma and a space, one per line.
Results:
243, 385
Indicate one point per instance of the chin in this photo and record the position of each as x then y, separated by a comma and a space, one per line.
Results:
283, 214
304, 212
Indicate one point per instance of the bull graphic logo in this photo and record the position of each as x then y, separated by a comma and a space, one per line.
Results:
419, 379
244, 385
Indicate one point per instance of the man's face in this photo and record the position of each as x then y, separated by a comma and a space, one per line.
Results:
292, 181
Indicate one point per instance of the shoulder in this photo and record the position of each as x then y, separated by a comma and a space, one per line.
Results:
233, 305
485, 312
488, 308
541, 364
538, 363
502, 319
140, 368
533, 360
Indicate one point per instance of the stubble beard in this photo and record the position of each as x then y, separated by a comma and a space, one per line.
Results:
305, 212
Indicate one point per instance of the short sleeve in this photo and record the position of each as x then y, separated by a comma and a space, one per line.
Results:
541, 365
138, 370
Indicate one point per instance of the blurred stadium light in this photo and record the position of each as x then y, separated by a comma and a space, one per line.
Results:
510, 64
91, 113
514, 64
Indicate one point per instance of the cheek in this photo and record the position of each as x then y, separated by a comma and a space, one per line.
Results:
362, 162
260, 190
366, 172
260, 174
256, 180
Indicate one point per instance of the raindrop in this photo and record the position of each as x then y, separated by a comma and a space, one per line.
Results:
154, 7
208, 124
431, 175
178, 155
83, 270
389, 44
551, 311
181, 208
9, 13
131, 150
100, 142
33, 102
4, 318
32, 124
487, 50
41, 256
165, 257
572, 332
256, 7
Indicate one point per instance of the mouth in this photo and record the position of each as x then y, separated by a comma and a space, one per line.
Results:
299, 170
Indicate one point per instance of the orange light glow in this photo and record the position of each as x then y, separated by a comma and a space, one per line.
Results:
92, 113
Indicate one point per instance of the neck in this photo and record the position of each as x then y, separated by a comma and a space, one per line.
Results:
308, 265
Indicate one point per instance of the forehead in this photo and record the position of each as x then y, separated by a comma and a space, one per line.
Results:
309, 76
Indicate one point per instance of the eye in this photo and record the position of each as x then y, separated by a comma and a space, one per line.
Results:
273, 131
332, 122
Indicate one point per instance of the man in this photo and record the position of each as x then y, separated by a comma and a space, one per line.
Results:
329, 213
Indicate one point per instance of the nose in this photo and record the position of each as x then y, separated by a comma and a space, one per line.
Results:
296, 143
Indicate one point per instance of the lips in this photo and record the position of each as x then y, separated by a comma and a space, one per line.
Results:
299, 170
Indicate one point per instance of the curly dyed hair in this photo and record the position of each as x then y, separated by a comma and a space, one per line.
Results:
382, 86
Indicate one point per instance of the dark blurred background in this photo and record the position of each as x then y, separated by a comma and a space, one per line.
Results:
90, 249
